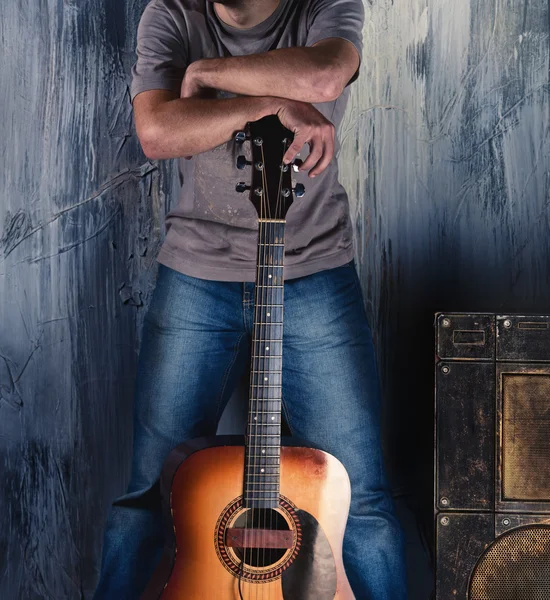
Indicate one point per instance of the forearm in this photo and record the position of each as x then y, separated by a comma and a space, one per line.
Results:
189, 126
299, 73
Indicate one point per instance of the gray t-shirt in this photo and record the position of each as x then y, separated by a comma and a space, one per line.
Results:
212, 232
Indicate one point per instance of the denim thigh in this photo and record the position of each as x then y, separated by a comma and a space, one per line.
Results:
194, 350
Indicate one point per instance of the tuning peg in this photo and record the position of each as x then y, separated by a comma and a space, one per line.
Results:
241, 137
242, 187
299, 190
296, 164
242, 162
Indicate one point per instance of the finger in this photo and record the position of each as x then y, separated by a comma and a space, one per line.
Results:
295, 147
315, 153
327, 154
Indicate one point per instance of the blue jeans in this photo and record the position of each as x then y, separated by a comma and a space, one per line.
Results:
195, 347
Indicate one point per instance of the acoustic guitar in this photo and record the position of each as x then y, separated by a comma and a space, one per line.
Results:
260, 517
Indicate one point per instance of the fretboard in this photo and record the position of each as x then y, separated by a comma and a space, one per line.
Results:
263, 437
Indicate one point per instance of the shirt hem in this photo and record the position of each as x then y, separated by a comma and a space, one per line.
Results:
209, 272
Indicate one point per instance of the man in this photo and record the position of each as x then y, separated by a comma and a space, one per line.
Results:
203, 70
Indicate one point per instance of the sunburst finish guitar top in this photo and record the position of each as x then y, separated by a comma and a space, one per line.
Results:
259, 518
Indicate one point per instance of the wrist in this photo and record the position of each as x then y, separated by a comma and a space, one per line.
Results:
270, 105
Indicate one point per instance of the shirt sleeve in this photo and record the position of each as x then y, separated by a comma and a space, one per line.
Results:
337, 18
161, 52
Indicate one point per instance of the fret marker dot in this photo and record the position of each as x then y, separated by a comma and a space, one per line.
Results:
268, 314
270, 276
262, 470
263, 451
255, 418
265, 378
267, 347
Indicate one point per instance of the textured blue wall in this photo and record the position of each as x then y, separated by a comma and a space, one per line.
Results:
445, 154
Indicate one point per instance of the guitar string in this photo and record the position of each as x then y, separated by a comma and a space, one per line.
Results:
278, 215
265, 394
273, 404
263, 319
259, 342
267, 263
252, 449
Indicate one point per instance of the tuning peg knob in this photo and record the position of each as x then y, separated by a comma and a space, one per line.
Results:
242, 162
242, 187
241, 137
299, 190
296, 164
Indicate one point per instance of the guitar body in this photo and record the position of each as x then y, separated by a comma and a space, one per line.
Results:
204, 479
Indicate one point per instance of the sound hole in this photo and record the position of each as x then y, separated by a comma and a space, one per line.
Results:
264, 519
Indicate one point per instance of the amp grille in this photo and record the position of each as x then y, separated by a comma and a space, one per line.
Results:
526, 437
515, 567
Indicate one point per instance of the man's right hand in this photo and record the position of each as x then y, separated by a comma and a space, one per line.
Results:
311, 127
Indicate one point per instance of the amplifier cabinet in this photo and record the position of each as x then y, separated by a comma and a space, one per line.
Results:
492, 456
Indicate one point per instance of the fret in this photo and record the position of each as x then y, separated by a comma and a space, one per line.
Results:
259, 472
263, 486
255, 418
267, 364
258, 486
270, 372
267, 459
264, 471
270, 305
275, 385
270, 286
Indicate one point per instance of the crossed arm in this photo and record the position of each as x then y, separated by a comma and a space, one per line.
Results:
282, 82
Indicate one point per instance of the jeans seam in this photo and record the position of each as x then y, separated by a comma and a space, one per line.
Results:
286, 415
226, 376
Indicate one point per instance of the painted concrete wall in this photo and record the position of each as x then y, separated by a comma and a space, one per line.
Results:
445, 154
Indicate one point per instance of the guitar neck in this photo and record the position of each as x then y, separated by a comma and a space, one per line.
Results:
263, 436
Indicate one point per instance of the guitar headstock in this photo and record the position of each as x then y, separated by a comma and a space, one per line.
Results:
270, 186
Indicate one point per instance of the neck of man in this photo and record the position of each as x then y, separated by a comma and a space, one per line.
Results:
244, 14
